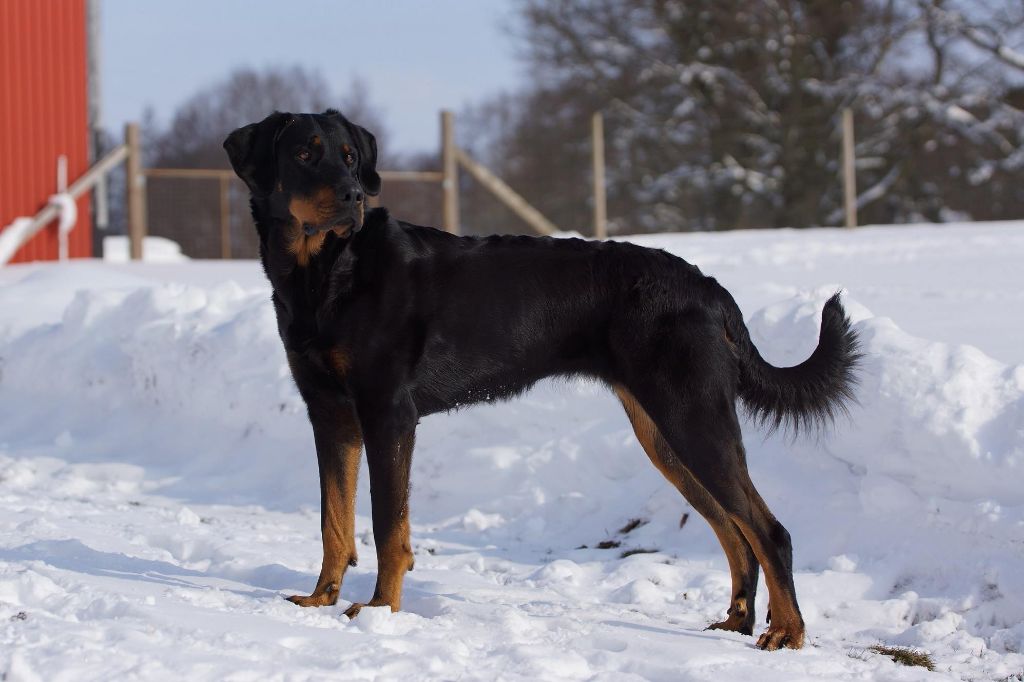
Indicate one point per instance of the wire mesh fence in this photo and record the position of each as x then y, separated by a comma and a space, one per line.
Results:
205, 211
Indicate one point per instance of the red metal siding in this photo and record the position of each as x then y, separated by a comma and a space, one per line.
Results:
43, 114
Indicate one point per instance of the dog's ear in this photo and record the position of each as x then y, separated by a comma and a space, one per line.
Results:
251, 151
366, 144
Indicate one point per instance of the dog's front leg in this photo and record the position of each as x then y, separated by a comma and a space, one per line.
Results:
338, 443
389, 432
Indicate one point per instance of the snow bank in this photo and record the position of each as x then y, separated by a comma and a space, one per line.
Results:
907, 518
116, 249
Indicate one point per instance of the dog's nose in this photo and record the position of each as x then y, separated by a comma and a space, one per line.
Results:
352, 196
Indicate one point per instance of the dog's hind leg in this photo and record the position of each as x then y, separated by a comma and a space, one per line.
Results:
742, 562
390, 436
338, 444
704, 433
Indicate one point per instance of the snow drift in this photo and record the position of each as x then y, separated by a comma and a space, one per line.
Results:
151, 428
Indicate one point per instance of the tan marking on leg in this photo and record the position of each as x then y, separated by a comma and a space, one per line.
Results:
787, 625
739, 617
394, 549
733, 544
394, 558
644, 428
340, 361
338, 480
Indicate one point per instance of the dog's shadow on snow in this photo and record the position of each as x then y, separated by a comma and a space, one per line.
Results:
72, 555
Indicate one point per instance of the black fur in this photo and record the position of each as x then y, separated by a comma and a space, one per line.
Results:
811, 394
390, 321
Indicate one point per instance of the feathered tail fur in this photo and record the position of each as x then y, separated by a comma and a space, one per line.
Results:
807, 395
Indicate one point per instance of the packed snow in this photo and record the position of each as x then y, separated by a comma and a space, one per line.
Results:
117, 249
159, 497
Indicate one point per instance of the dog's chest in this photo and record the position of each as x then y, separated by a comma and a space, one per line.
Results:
337, 361
305, 341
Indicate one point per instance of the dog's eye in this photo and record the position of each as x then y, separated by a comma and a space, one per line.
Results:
303, 155
350, 159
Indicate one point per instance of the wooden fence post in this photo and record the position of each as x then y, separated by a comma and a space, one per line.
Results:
849, 170
506, 194
225, 218
450, 169
600, 200
135, 195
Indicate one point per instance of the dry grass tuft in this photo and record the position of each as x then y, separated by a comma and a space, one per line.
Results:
632, 525
905, 655
638, 550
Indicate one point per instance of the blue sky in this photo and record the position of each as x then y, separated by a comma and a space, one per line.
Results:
416, 57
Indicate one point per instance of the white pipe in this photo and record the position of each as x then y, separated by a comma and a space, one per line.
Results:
22, 229
68, 216
13, 236
62, 173
67, 207
102, 210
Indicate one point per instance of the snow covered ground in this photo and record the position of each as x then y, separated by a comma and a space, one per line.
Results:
158, 491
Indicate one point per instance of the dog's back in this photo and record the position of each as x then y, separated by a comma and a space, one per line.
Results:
528, 307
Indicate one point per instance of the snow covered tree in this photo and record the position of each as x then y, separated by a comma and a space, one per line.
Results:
725, 113
940, 114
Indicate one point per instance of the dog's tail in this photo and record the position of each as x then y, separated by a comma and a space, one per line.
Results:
804, 396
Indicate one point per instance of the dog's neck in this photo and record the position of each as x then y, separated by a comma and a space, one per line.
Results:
298, 275
314, 283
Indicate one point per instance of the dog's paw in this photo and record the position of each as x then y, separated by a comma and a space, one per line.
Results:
744, 626
778, 636
356, 607
325, 598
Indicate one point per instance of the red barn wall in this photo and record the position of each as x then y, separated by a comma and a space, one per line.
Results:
43, 114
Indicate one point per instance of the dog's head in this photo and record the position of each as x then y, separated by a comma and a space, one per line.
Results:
313, 170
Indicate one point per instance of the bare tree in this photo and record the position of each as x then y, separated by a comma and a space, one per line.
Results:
188, 210
197, 129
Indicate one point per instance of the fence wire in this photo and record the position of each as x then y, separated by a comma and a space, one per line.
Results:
190, 211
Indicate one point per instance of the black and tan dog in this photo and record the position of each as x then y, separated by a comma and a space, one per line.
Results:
385, 322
